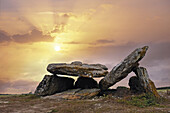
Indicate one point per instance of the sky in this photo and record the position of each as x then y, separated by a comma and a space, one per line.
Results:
35, 33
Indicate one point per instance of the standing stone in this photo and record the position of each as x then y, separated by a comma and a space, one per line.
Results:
135, 85
121, 70
78, 69
145, 81
86, 83
52, 84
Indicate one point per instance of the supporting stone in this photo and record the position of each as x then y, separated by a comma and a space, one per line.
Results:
86, 83
135, 85
147, 84
52, 84
121, 70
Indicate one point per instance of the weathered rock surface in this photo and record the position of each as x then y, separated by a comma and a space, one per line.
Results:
86, 83
135, 85
74, 94
78, 69
119, 92
122, 91
121, 70
77, 63
145, 81
52, 84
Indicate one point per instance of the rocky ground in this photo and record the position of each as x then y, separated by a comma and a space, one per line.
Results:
106, 104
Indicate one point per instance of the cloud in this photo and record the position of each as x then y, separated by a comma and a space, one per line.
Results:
105, 41
73, 42
59, 28
4, 37
68, 15
3, 85
17, 86
34, 36
101, 41
156, 60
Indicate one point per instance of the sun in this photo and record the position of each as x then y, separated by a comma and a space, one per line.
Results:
57, 48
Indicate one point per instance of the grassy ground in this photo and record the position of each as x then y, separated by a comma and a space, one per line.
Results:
107, 104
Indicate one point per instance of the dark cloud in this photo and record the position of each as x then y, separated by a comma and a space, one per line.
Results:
102, 41
4, 36
34, 36
3, 85
73, 42
17, 86
105, 41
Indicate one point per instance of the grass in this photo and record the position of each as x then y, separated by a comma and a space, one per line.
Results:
7, 95
143, 100
163, 90
25, 97
29, 97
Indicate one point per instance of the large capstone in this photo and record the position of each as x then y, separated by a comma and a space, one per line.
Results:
78, 69
121, 70
86, 83
135, 85
52, 84
144, 80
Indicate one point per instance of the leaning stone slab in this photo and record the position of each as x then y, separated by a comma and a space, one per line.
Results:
144, 80
121, 70
75, 94
78, 69
52, 84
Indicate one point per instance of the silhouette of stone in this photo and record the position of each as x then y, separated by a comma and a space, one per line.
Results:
86, 83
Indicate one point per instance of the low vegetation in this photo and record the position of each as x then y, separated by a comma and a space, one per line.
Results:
145, 103
143, 100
